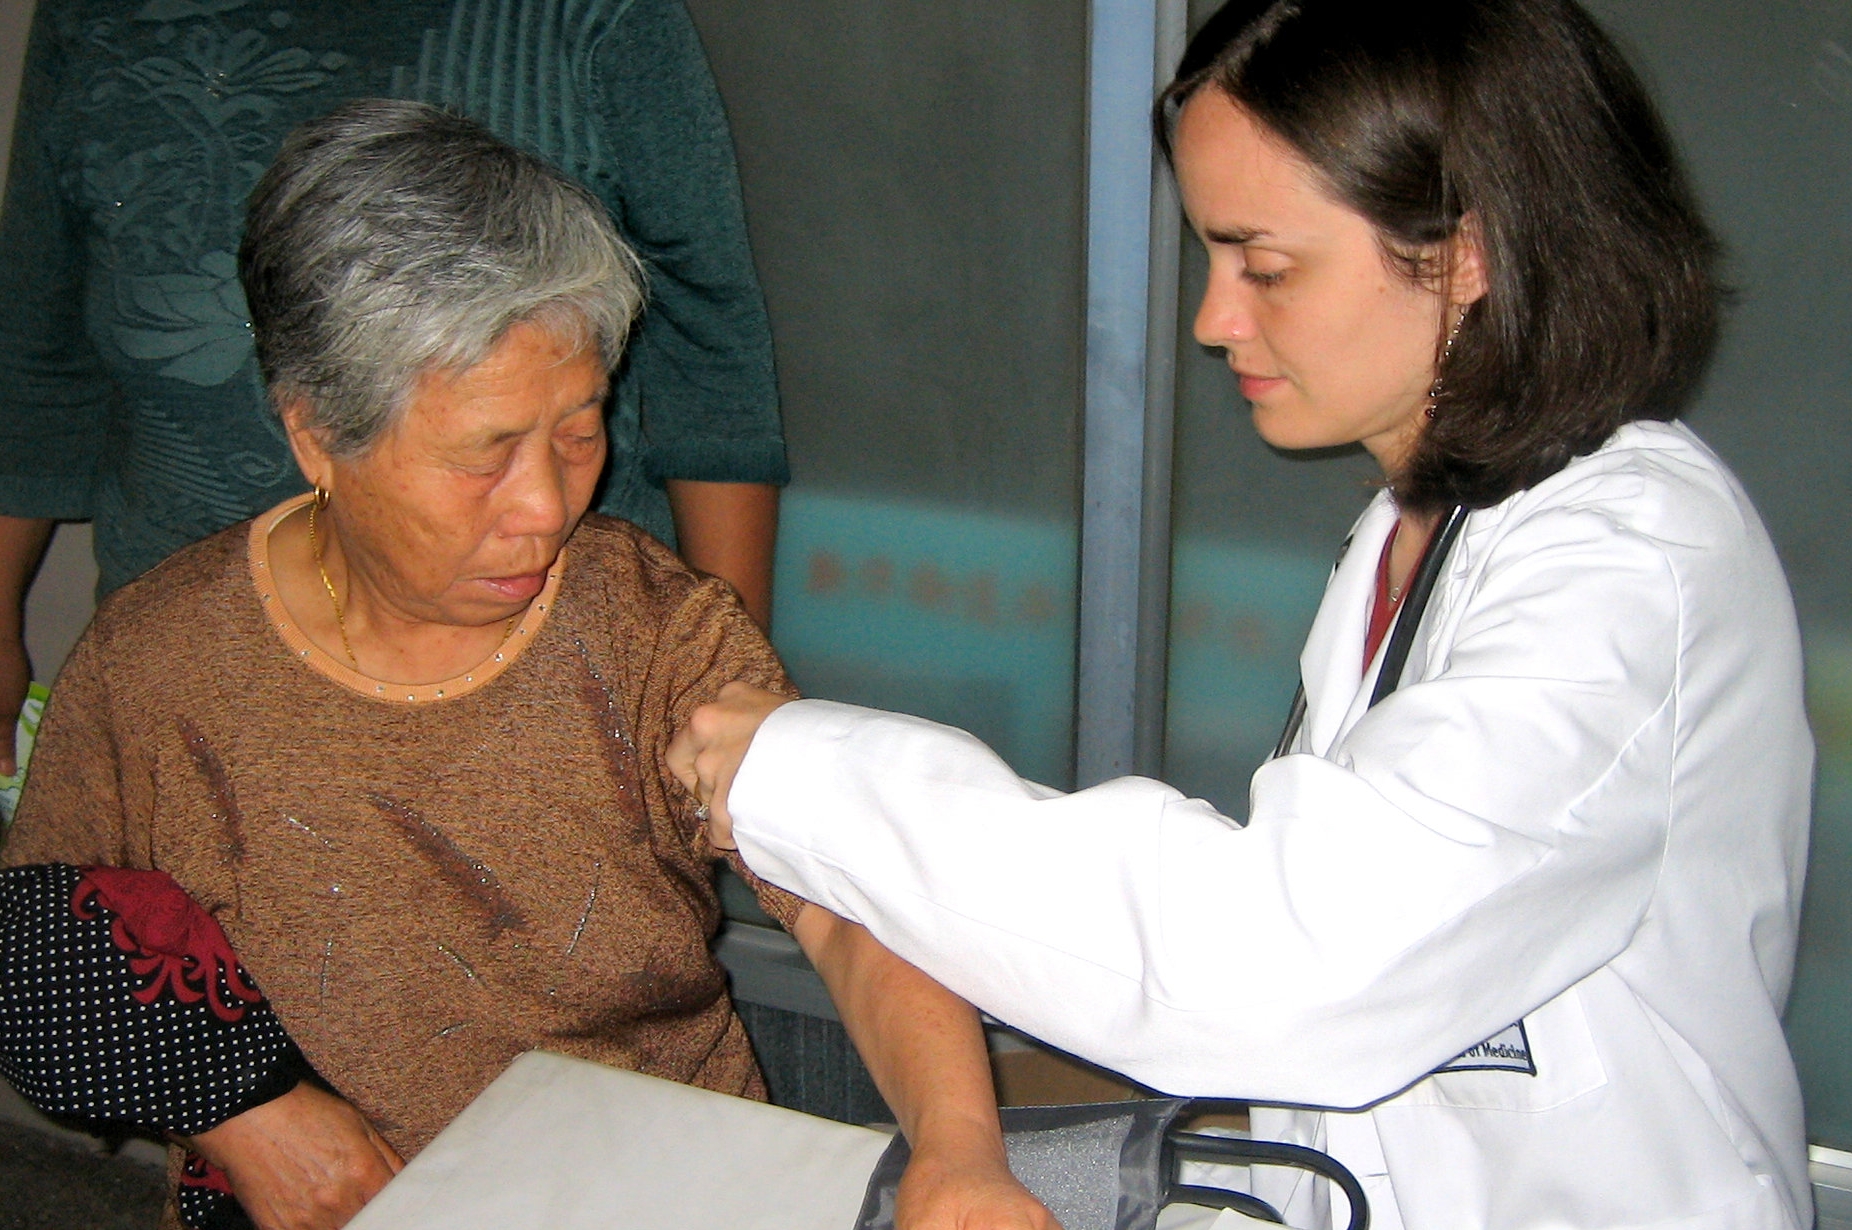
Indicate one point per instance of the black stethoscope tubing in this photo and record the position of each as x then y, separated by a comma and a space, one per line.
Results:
1407, 622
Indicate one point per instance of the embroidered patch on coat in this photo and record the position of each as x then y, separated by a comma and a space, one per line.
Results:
1508, 1050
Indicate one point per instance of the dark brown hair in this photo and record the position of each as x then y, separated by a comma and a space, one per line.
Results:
1603, 302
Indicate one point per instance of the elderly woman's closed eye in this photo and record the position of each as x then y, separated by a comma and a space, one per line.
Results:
403, 737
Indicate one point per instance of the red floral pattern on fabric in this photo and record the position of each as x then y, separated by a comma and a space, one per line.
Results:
171, 941
198, 1172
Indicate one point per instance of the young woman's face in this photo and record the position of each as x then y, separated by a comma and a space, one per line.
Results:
1330, 345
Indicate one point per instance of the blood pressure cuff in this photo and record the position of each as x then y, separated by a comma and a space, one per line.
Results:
1115, 1165
122, 1003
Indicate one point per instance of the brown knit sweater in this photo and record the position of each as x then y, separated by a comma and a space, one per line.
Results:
424, 889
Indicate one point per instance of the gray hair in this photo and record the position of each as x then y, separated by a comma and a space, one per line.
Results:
389, 239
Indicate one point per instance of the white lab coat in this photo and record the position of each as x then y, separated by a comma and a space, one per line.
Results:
1585, 809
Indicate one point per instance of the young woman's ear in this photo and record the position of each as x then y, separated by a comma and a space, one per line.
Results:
1467, 278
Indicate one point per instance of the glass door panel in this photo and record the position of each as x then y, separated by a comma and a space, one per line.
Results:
914, 178
1759, 96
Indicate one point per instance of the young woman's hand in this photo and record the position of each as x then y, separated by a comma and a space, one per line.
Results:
707, 753
305, 1161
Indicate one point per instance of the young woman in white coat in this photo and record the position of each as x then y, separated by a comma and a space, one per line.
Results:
1509, 923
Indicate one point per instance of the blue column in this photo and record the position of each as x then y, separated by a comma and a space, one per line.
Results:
1131, 343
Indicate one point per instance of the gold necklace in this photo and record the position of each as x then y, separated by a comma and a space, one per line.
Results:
340, 616
315, 549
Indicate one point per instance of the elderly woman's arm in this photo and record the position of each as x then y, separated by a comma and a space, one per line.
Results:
294, 1155
922, 1044
925, 1048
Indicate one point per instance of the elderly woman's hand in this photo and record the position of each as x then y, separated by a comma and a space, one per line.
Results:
941, 1193
305, 1161
707, 753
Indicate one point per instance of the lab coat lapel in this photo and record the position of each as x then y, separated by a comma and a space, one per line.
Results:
1441, 618
1332, 662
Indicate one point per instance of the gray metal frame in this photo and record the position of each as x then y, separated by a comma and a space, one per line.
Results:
1132, 257
1132, 246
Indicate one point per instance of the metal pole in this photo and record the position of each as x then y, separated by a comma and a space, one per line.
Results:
1151, 698
1131, 306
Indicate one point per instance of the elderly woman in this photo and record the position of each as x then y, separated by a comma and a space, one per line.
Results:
403, 737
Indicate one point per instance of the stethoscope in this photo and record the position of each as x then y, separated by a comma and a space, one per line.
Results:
1402, 635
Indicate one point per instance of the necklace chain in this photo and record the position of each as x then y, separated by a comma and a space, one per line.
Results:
334, 599
315, 549
1392, 591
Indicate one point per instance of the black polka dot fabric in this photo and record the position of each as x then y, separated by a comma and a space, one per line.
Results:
99, 1021
94, 1025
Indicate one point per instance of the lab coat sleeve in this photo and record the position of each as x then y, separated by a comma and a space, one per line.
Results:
1470, 848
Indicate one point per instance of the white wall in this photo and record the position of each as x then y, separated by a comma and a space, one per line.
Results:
60, 603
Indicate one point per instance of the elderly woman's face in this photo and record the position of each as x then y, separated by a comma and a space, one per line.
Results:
457, 512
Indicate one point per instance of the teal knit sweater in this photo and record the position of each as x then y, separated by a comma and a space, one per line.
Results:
128, 390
